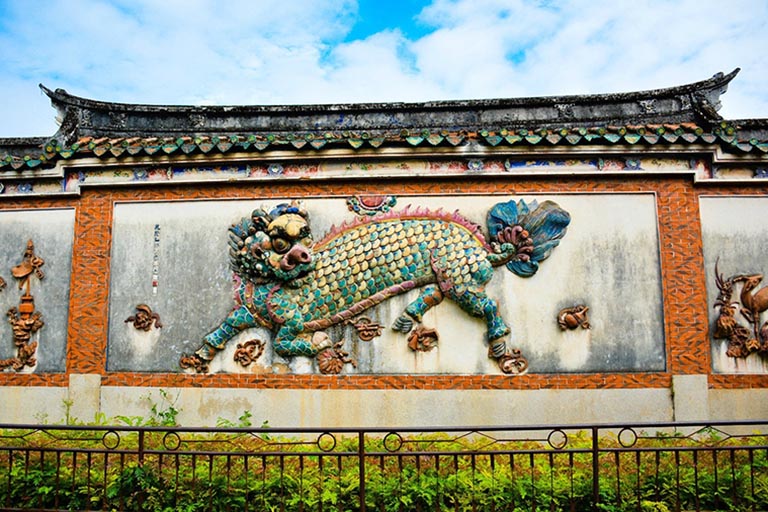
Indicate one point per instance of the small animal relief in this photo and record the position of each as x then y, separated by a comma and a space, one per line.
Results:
144, 318
573, 318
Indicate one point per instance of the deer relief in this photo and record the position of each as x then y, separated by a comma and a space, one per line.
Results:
752, 302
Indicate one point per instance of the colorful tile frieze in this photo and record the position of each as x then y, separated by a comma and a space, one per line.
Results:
360, 169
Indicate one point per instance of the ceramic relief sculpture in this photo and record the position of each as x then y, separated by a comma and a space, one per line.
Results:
24, 320
371, 204
144, 318
366, 328
573, 318
736, 310
298, 287
248, 352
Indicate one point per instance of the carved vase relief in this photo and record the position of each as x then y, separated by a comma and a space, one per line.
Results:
25, 320
297, 287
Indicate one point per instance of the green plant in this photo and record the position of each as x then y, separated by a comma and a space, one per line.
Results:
68, 419
164, 413
243, 421
276, 473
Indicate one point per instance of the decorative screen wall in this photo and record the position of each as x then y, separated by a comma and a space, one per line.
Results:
586, 298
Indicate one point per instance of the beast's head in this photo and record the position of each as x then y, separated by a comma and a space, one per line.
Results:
274, 246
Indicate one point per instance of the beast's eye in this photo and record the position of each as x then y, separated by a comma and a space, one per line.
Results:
280, 245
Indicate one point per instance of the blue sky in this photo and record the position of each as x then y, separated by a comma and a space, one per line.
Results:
344, 51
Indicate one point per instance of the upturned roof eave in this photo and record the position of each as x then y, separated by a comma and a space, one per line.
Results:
695, 102
61, 97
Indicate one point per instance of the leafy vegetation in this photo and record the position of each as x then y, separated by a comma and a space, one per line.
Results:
239, 467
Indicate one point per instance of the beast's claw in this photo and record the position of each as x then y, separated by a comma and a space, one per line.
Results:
321, 341
331, 361
404, 324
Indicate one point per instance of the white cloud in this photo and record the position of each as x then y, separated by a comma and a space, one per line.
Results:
267, 52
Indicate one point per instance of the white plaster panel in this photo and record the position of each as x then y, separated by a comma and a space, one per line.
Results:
193, 282
691, 394
32, 405
396, 408
734, 235
608, 260
738, 404
52, 233
84, 396
381, 408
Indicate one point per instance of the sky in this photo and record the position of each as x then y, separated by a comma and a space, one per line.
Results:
265, 52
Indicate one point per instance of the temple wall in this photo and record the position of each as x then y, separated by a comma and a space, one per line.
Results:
639, 252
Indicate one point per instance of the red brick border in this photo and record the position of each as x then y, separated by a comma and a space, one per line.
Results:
684, 294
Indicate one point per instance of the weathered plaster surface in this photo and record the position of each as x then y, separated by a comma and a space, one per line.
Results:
608, 260
738, 404
84, 396
33, 405
735, 235
52, 233
378, 408
690, 397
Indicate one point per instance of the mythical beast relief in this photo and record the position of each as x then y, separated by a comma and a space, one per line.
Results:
751, 303
297, 287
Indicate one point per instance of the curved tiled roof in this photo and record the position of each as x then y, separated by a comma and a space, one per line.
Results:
680, 115
654, 134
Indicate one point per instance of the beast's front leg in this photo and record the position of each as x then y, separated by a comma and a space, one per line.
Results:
238, 320
429, 297
291, 341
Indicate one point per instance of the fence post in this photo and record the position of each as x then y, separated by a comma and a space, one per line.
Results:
141, 447
361, 468
595, 469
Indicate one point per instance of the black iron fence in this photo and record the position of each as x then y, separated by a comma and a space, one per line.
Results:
645, 467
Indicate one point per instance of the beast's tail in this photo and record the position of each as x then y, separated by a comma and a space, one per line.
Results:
526, 234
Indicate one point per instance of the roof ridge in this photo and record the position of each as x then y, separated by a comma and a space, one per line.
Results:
695, 102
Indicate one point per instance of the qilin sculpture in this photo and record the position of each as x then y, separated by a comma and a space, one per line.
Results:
742, 340
24, 320
297, 287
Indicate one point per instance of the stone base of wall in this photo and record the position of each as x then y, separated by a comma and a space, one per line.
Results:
85, 399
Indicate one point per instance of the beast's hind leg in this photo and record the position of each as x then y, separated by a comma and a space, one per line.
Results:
429, 297
478, 304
